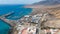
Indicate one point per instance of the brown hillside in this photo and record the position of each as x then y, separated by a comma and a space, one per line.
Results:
55, 11
53, 17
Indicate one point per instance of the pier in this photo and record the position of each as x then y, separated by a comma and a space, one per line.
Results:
10, 22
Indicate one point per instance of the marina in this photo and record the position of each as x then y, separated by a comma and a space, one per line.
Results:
6, 17
27, 17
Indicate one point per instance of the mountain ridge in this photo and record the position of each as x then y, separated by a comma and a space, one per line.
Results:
48, 2
44, 3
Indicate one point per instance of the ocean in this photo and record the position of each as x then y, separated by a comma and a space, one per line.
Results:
18, 12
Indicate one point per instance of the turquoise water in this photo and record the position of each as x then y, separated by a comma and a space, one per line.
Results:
19, 12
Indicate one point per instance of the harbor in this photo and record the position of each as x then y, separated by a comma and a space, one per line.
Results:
9, 17
41, 23
29, 16
17, 24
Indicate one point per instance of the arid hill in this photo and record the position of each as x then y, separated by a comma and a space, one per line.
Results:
48, 2
53, 11
52, 7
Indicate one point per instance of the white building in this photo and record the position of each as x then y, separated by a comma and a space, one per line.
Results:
36, 18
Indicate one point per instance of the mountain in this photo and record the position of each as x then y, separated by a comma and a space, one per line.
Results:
44, 3
48, 2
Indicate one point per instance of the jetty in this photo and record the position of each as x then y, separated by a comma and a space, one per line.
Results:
8, 14
10, 22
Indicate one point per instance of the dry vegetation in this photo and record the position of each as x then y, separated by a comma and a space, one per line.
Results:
53, 17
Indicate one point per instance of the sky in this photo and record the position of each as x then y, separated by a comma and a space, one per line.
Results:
18, 1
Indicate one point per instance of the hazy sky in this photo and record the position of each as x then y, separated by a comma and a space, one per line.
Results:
18, 1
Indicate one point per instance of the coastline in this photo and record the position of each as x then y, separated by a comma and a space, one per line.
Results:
16, 10
53, 16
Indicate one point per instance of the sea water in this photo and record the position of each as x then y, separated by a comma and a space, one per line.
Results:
18, 12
